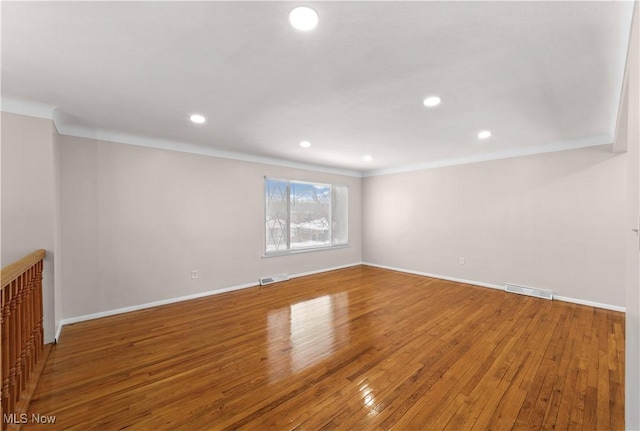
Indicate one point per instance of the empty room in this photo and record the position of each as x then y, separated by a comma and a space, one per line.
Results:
379, 215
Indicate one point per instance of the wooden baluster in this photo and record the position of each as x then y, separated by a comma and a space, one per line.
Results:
2, 410
37, 344
27, 344
33, 315
24, 335
24, 354
19, 335
5, 350
12, 346
22, 315
28, 319
20, 379
31, 350
38, 313
31, 353
28, 347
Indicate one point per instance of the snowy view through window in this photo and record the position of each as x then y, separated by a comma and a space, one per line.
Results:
301, 215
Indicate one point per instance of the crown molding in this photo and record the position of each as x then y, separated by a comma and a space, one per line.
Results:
41, 110
498, 155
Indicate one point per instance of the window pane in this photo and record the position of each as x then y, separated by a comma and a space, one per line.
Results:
276, 214
310, 210
340, 214
300, 215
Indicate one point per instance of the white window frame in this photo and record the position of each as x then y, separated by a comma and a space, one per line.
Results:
289, 251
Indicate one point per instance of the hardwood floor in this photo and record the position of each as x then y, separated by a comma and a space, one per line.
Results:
358, 349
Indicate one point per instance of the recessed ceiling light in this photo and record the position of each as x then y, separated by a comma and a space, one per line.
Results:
367, 158
305, 144
431, 101
197, 118
484, 134
303, 18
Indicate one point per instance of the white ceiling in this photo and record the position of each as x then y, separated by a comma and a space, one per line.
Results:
542, 76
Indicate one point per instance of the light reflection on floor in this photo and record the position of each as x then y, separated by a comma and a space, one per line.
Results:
369, 400
303, 334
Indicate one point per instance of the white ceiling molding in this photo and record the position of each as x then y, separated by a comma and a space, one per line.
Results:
28, 108
516, 152
184, 147
39, 110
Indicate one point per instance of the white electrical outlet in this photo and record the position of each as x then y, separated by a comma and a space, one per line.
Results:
462, 261
194, 274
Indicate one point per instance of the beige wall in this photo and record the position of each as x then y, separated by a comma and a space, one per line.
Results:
135, 221
553, 221
29, 198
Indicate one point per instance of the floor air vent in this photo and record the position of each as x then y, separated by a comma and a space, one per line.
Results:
273, 279
522, 290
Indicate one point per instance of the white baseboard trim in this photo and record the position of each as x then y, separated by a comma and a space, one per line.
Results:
441, 277
590, 303
334, 268
179, 299
497, 286
152, 304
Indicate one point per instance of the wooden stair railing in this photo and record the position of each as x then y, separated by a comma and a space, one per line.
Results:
22, 335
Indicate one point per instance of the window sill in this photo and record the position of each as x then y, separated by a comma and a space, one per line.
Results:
304, 250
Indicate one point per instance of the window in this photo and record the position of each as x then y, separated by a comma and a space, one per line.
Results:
302, 215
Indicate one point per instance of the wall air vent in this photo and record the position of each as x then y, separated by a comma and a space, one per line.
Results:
273, 279
523, 290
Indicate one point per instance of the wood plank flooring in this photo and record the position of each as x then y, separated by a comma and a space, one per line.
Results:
355, 349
